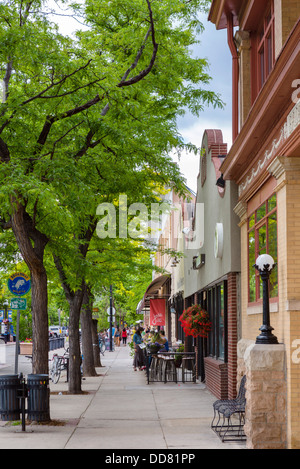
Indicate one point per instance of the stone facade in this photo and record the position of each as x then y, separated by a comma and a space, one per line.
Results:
265, 425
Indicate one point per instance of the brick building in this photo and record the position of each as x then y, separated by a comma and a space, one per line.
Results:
212, 269
168, 279
264, 162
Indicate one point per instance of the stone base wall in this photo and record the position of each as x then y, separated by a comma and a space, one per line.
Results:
266, 414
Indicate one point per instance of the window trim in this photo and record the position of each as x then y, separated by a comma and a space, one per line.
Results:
257, 225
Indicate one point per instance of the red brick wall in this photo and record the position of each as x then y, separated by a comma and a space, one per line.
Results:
232, 335
216, 377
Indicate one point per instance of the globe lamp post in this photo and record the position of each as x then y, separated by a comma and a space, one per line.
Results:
265, 264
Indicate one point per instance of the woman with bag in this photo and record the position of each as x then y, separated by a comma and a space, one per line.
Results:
139, 359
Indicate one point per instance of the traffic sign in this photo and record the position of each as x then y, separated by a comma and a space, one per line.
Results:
18, 303
113, 311
19, 284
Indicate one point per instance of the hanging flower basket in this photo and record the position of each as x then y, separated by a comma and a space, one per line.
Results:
195, 321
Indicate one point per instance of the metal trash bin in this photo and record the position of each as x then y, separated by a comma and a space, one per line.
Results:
38, 405
9, 400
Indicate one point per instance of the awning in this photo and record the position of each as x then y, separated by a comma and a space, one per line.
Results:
152, 292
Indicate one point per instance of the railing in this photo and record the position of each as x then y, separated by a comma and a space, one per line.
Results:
56, 342
170, 367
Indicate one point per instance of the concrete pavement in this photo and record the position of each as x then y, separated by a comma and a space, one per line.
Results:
118, 410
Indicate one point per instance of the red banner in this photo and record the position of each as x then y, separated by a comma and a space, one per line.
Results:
157, 312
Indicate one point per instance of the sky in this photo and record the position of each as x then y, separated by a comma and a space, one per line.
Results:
213, 46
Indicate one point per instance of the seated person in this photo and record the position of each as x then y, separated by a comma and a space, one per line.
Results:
164, 342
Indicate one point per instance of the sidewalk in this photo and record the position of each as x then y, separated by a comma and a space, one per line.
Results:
120, 411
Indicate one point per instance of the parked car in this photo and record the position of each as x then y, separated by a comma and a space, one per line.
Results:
54, 331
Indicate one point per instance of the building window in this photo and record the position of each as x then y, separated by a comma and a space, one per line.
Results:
262, 239
217, 309
264, 41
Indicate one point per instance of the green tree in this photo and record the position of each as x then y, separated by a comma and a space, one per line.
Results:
85, 119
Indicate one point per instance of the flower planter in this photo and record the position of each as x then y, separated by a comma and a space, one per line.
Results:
153, 348
26, 348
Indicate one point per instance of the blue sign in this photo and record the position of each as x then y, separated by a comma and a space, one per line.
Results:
19, 284
9, 315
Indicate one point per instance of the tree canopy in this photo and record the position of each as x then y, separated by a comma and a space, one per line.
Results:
84, 119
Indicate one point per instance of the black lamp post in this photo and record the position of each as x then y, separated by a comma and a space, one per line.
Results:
265, 264
110, 319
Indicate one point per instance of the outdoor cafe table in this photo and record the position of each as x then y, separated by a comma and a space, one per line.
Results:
162, 366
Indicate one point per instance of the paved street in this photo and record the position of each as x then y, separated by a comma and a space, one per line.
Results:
120, 411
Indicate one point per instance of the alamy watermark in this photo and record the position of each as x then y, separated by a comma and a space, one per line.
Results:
147, 222
296, 93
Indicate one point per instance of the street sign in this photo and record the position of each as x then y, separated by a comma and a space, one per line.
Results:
18, 303
19, 284
113, 311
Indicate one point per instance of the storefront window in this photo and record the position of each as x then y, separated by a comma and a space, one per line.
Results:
217, 311
221, 322
262, 239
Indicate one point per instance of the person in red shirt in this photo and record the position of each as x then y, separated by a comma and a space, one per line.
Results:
124, 336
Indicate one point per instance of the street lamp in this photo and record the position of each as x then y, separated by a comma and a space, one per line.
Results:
265, 264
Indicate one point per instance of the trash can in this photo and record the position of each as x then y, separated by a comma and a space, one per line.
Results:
9, 401
38, 405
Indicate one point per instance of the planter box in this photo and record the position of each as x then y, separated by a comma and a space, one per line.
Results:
26, 348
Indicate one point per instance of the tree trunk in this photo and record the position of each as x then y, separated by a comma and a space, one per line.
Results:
86, 335
40, 339
96, 348
75, 301
74, 343
32, 243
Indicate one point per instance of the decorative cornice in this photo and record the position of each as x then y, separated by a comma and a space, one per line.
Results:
290, 125
283, 164
276, 168
261, 164
240, 209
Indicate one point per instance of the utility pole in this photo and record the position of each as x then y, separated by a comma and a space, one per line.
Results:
110, 319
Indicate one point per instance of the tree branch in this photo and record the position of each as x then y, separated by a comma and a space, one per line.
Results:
6, 79
40, 94
148, 69
71, 112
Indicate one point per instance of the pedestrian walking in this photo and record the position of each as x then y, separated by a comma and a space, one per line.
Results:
117, 337
124, 336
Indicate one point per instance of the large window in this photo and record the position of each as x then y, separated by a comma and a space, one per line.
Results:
217, 308
262, 238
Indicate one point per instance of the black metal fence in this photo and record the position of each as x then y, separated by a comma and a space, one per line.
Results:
171, 367
56, 342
